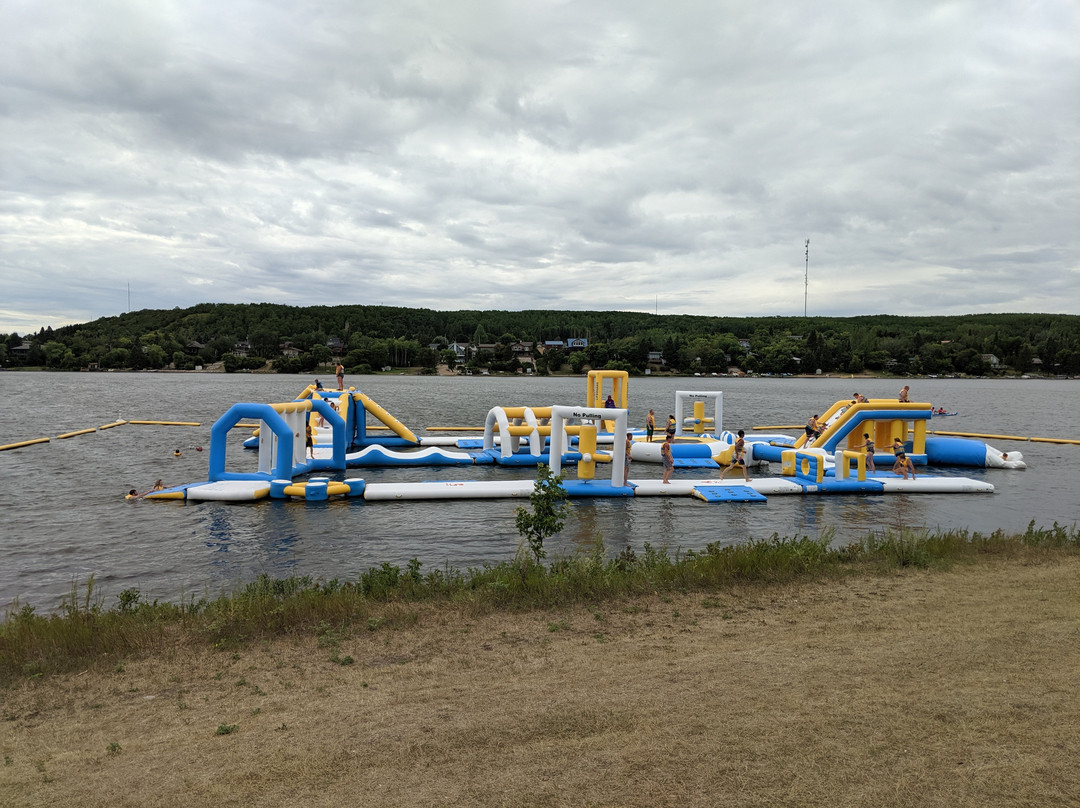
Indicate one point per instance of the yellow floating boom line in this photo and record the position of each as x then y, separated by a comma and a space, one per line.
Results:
114, 423
73, 434
1008, 437
168, 423
24, 443
981, 435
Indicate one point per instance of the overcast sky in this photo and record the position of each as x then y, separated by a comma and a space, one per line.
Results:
601, 154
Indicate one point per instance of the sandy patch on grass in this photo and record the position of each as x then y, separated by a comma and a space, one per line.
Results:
918, 689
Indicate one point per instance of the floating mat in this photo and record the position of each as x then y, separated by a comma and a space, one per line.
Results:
695, 463
596, 488
849, 486
727, 493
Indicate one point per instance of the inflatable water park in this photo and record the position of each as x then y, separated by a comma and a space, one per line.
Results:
304, 450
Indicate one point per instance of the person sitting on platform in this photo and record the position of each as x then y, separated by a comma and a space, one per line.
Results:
904, 466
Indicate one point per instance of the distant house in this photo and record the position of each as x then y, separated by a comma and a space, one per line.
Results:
991, 360
336, 346
193, 348
22, 349
552, 343
521, 349
289, 350
577, 344
461, 352
242, 348
656, 358
744, 344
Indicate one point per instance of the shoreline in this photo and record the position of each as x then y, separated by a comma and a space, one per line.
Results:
911, 687
500, 374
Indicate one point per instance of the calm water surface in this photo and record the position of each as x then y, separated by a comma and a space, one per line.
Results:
63, 516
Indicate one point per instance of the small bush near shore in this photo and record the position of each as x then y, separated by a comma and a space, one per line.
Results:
84, 633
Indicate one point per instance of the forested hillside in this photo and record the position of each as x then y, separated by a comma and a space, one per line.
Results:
295, 339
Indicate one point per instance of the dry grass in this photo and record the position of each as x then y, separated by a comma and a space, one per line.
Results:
921, 688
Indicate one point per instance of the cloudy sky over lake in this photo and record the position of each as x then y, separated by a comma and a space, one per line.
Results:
601, 154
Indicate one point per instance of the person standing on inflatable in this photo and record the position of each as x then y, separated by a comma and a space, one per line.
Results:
667, 457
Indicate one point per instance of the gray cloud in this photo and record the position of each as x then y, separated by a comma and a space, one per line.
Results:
566, 155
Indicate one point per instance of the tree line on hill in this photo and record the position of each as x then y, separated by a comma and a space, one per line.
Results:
364, 338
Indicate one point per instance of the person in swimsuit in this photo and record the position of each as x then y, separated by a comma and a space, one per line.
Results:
666, 456
626, 458
650, 425
813, 430
340, 376
836, 415
904, 466
738, 458
670, 428
310, 441
897, 446
868, 446
904, 395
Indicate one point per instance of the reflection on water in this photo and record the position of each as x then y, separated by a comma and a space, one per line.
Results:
65, 517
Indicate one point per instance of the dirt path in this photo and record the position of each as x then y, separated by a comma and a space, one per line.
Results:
919, 689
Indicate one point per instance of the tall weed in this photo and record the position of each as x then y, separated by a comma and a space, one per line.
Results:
84, 631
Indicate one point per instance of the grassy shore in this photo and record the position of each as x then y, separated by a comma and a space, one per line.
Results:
87, 633
932, 670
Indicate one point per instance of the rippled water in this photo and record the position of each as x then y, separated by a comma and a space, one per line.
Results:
64, 516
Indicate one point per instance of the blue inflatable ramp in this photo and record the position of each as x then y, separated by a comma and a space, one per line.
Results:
695, 463
727, 493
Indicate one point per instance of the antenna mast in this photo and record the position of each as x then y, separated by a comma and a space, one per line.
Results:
806, 278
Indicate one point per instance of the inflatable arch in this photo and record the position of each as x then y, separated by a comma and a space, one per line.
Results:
698, 420
560, 439
282, 439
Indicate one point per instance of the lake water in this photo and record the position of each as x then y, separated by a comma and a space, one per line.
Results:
64, 516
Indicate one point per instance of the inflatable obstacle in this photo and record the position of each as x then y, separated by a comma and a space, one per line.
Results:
591, 439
